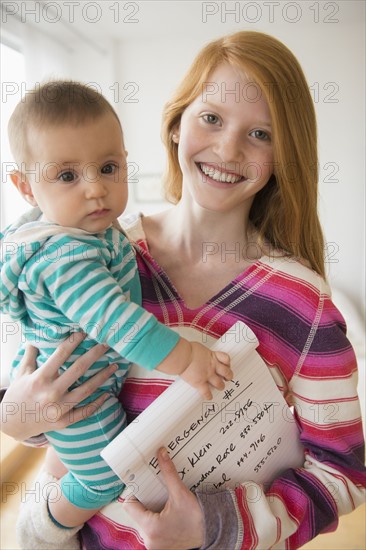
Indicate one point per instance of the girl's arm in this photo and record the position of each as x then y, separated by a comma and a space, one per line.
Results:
21, 410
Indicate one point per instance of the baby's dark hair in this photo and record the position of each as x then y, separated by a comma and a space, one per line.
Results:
54, 103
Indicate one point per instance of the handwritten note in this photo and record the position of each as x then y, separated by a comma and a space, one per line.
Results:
246, 433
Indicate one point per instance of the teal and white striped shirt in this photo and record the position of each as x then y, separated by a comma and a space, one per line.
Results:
57, 280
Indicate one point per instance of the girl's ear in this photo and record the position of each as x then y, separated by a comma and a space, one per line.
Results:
22, 184
176, 134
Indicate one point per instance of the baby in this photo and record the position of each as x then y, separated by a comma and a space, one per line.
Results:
67, 265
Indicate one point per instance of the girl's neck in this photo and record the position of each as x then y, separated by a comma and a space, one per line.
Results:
200, 251
192, 230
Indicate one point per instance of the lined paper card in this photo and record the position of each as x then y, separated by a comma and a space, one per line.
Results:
245, 433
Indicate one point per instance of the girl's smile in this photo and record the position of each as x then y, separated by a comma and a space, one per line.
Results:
217, 174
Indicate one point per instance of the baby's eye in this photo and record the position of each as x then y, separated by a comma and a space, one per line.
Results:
260, 134
109, 169
211, 118
67, 177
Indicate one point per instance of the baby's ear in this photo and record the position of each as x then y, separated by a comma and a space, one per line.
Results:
22, 184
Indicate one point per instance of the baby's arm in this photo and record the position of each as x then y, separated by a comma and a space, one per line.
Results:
101, 309
198, 365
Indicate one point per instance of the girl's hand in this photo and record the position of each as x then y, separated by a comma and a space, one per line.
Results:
180, 525
38, 400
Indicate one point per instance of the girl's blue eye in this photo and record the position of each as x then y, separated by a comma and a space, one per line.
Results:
211, 119
67, 177
109, 169
260, 134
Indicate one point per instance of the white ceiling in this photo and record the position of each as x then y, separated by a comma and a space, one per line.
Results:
95, 23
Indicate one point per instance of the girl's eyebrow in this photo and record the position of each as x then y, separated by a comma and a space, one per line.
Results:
209, 104
265, 123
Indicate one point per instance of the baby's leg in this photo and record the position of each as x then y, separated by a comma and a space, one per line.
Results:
53, 464
89, 483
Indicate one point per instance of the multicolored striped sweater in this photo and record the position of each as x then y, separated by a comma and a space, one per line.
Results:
303, 341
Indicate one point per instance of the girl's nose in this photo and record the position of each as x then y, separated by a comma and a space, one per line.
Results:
230, 148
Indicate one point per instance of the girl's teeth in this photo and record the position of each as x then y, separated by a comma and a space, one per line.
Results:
219, 176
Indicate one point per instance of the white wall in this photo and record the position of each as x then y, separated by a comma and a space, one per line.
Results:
147, 59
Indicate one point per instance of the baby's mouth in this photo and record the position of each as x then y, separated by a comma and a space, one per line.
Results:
220, 175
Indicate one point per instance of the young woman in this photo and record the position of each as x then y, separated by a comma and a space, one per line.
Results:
243, 242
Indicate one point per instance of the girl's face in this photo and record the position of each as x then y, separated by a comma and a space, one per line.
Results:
225, 148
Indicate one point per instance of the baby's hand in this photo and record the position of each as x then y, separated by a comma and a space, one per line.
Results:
207, 367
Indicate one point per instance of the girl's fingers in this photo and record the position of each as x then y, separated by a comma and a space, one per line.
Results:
80, 366
173, 482
73, 414
28, 363
137, 511
87, 388
60, 355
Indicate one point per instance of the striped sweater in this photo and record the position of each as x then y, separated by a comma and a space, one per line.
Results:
302, 339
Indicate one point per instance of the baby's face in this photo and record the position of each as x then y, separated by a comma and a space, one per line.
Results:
80, 173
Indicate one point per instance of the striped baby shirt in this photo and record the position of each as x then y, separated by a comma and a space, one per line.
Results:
56, 280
